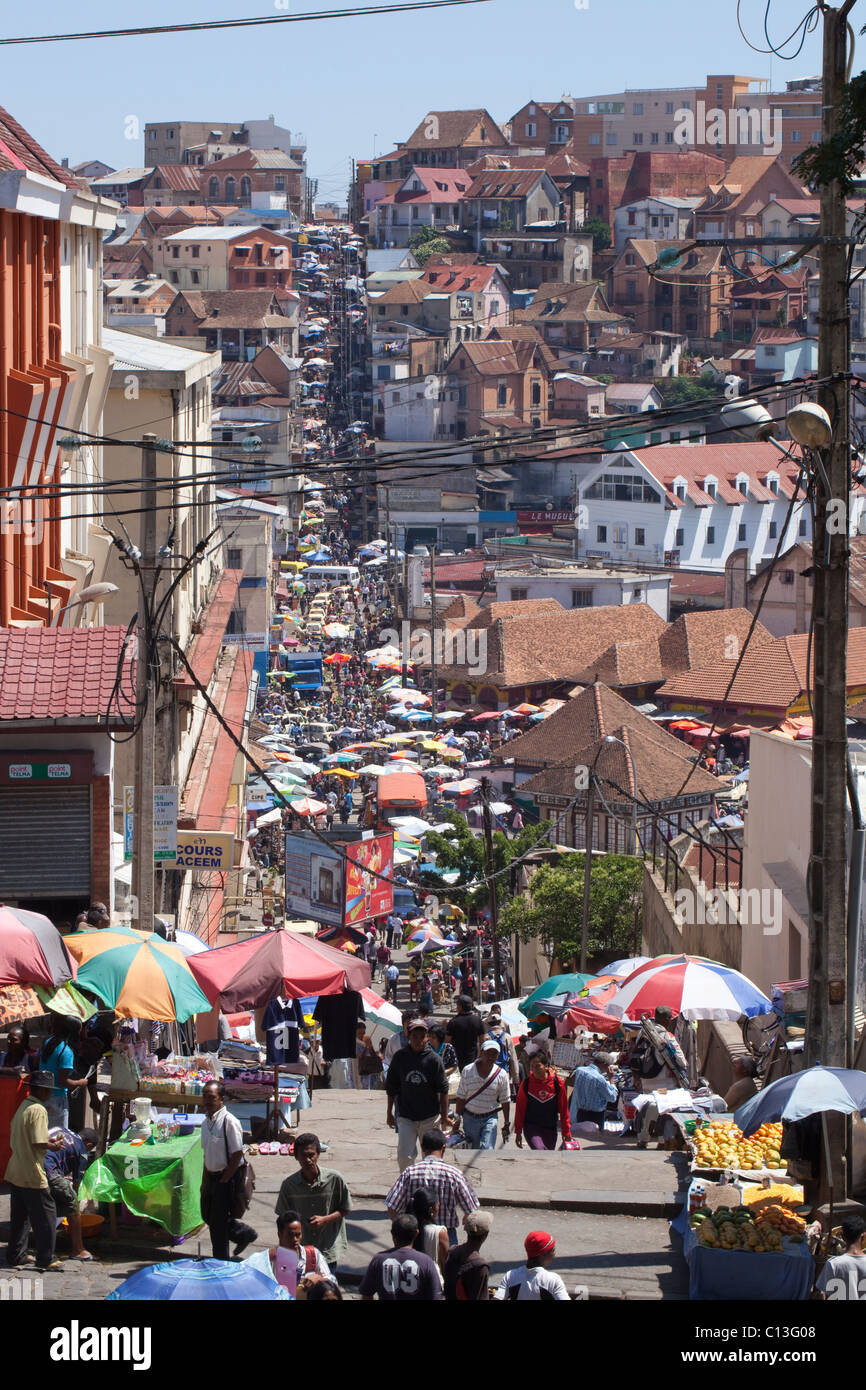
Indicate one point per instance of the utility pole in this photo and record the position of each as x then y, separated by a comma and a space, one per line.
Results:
146, 692
587, 867
387, 491
826, 1020
494, 901
434, 705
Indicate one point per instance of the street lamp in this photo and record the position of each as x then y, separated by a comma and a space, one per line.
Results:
95, 593
590, 818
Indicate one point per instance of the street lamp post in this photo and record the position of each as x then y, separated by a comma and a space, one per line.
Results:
588, 837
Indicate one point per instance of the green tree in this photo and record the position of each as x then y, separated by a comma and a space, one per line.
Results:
682, 390
841, 157
464, 851
553, 909
599, 230
426, 242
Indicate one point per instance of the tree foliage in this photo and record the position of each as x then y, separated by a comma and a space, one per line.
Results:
599, 230
553, 909
464, 851
426, 242
840, 158
682, 390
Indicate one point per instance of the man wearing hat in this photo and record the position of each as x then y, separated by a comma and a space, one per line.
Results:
31, 1203
484, 1089
467, 1272
416, 1080
535, 1281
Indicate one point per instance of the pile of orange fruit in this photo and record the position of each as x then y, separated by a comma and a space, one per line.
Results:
723, 1145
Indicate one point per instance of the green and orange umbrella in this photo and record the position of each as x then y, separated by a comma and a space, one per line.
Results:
137, 974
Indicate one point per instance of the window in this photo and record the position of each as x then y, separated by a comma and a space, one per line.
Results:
610, 138
710, 489
675, 436
196, 252
230, 189
637, 108
237, 622
795, 137
175, 251
280, 183
581, 598
518, 594
536, 393
801, 529
531, 109
632, 220
501, 394
773, 485
654, 137
741, 531
656, 437
560, 134
680, 491
383, 373
773, 530
530, 129
640, 535
246, 187
601, 534
621, 487
687, 106
816, 137
711, 535
680, 537
669, 108
234, 558
669, 137
636, 137
194, 275
595, 138
151, 134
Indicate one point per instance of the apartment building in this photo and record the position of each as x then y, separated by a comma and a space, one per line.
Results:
224, 258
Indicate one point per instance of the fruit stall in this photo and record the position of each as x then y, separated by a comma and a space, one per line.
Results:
745, 1240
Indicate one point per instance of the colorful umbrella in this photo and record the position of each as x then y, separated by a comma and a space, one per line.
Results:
194, 1281
805, 1093
31, 950
621, 969
556, 984
338, 658
249, 974
600, 992
691, 986
378, 1010
307, 806
18, 1002
336, 630
137, 974
584, 1016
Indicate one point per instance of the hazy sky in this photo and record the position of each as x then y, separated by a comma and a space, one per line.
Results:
358, 86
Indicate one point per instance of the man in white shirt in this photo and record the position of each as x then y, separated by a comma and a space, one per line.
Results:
484, 1088
222, 1141
534, 1282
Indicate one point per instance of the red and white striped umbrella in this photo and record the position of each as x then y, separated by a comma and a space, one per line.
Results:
688, 985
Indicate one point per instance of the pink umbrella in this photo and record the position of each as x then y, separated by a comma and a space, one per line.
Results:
31, 950
488, 714
249, 974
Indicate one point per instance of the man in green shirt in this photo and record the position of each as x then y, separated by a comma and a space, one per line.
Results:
31, 1203
321, 1197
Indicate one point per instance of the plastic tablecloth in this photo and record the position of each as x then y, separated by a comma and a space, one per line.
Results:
159, 1181
740, 1275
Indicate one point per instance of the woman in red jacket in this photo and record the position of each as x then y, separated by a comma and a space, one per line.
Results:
541, 1101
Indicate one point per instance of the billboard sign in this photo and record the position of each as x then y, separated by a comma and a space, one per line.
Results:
331, 883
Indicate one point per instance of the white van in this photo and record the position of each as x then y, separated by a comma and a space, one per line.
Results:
333, 575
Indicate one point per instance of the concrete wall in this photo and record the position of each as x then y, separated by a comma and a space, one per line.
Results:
722, 941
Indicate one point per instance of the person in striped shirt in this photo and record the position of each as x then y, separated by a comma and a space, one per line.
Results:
445, 1179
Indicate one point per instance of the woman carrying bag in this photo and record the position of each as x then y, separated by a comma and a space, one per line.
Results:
542, 1103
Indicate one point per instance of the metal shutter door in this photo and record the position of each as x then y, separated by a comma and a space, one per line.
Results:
44, 842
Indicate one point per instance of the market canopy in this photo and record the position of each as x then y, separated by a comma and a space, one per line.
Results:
137, 974
805, 1093
692, 986
249, 974
32, 952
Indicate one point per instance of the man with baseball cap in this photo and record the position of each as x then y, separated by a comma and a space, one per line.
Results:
416, 1080
467, 1272
484, 1088
31, 1202
534, 1281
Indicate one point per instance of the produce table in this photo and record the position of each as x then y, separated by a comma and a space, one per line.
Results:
742, 1275
159, 1181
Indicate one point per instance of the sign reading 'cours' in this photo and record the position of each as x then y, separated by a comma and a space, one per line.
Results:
204, 850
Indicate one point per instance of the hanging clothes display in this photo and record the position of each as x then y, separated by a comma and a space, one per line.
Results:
281, 1024
339, 1015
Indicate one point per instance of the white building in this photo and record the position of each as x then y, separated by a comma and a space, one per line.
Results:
653, 219
689, 506
585, 586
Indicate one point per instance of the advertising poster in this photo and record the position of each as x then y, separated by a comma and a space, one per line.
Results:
367, 896
314, 880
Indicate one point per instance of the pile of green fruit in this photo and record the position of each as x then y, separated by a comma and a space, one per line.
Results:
734, 1228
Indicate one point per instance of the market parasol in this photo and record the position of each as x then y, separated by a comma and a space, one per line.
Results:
18, 1002
692, 986
32, 952
378, 1010
600, 992
307, 806
338, 658
804, 1093
249, 974
550, 988
193, 1281
621, 969
137, 974
583, 1015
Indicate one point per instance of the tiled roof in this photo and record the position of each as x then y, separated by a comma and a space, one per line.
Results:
560, 166
439, 186
508, 609
230, 308
556, 644
457, 278
183, 177
629, 391
772, 677
496, 357
575, 734
453, 129
696, 639
250, 159
708, 257
404, 292
742, 174
18, 150
695, 463
554, 299
504, 183
524, 333
58, 673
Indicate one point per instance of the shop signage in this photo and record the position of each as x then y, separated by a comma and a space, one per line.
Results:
26, 772
564, 517
164, 824
204, 850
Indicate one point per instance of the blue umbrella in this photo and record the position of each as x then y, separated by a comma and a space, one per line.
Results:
192, 1281
805, 1093
321, 557
418, 716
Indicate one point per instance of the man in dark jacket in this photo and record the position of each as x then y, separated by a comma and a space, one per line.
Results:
416, 1080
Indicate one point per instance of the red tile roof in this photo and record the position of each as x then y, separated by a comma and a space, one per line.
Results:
695, 463
59, 673
439, 186
18, 150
